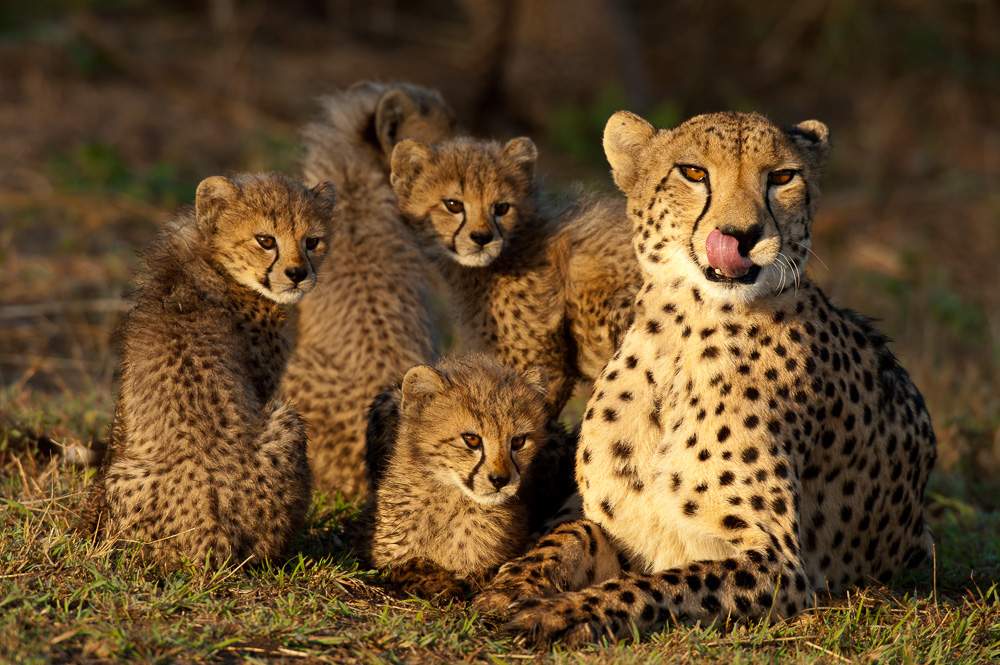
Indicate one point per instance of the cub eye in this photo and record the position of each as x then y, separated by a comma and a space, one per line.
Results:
312, 243
779, 178
265, 241
454, 206
501, 209
472, 440
694, 173
517, 442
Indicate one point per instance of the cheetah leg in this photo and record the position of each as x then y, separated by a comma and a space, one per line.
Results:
278, 497
426, 579
574, 555
750, 586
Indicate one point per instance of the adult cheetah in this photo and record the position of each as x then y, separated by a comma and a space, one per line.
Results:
750, 443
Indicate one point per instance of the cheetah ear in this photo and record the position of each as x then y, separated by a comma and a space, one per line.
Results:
407, 159
535, 377
392, 110
813, 138
625, 135
522, 153
421, 382
212, 196
325, 196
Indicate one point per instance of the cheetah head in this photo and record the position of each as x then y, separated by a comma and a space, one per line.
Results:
269, 233
465, 195
725, 199
473, 424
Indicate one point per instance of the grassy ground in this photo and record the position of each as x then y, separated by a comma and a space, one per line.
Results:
109, 117
65, 598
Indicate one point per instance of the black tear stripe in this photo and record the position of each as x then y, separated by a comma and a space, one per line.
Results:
454, 236
697, 222
266, 280
475, 469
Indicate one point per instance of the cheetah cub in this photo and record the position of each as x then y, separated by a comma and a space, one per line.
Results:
205, 464
368, 320
750, 443
463, 467
539, 285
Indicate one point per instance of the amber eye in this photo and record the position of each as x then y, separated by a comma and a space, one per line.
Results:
453, 206
779, 178
694, 173
265, 241
501, 209
312, 243
517, 442
472, 440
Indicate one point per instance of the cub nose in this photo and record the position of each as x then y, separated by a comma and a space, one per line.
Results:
499, 481
481, 238
747, 238
296, 273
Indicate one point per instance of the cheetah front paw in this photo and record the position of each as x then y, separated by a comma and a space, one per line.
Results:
564, 618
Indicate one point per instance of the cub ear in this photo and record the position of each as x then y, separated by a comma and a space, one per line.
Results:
522, 153
325, 196
421, 382
812, 137
535, 377
625, 134
212, 196
392, 110
406, 161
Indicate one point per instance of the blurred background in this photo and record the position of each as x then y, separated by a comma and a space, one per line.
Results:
111, 111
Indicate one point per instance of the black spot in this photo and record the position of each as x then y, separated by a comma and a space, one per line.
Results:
690, 508
734, 522
744, 580
723, 433
749, 455
610, 415
726, 478
653, 327
751, 421
704, 455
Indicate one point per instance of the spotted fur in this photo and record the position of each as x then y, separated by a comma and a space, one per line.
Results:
750, 443
368, 321
205, 464
537, 283
462, 465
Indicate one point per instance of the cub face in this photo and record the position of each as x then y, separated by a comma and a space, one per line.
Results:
725, 198
476, 423
466, 196
268, 232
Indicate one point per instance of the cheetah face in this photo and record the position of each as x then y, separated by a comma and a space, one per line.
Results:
475, 426
465, 196
725, 199
269, 233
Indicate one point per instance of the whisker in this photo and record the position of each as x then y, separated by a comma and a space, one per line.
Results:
810, 250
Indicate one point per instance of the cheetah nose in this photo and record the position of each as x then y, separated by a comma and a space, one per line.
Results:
481, 238
726, 252
296, 273
499, 481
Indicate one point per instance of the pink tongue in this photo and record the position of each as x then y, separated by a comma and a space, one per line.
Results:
724, 255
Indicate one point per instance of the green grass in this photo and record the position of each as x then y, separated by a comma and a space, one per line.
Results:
64, 597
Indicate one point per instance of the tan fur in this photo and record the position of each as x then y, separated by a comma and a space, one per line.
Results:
750, 443
453, 487
367, 322
544, 286
204, 462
